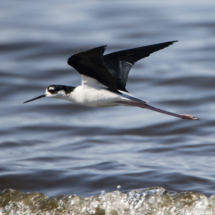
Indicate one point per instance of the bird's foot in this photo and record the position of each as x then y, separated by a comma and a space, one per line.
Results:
187, 116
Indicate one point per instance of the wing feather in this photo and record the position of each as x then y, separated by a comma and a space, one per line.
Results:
90, 63
120, 63
112, 69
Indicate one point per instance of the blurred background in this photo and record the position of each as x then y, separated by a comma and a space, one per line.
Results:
56, 147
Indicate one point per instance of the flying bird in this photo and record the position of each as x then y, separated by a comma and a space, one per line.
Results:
104, 77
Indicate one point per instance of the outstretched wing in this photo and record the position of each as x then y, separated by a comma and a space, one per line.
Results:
120, 63
90, 63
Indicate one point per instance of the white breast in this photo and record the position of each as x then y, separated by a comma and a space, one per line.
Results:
93, 97
94, 94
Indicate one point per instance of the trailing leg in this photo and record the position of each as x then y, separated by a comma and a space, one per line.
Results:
143, 105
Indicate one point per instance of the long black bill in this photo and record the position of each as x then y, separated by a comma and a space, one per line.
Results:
39, 97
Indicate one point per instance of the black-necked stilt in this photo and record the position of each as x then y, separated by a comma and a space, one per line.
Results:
104, 79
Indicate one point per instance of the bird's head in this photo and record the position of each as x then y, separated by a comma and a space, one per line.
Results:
55, 91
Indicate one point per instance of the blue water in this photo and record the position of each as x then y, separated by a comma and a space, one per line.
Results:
56, 147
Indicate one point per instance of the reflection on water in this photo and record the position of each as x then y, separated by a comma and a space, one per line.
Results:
55, 147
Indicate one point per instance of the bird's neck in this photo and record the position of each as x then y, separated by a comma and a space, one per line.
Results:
69, 89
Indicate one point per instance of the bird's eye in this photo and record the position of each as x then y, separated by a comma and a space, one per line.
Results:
51, 89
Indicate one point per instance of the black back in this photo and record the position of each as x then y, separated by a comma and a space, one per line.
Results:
112, 69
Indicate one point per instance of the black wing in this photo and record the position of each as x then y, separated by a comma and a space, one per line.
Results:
90, 63
120, 63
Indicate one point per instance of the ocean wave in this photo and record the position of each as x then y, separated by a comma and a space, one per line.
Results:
154, 200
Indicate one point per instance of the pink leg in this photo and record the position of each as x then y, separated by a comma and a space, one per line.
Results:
142, 105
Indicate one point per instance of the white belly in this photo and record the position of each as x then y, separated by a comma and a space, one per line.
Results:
95, 97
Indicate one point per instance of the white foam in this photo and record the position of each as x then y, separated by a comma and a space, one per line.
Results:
155, 200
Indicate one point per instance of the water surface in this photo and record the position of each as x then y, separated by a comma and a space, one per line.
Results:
56, 147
